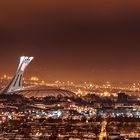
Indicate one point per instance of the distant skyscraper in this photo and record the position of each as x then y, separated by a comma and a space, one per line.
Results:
122, 98
16, 82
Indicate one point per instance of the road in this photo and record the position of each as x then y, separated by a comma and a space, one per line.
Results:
103, 133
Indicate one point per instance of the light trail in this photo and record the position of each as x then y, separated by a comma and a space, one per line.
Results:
103, 133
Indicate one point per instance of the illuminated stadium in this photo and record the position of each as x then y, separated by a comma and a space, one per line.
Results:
15, 85
46, 92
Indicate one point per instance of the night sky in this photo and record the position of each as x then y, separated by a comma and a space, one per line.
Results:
87, 40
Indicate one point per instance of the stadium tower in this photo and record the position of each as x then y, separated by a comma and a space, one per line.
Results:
16, 82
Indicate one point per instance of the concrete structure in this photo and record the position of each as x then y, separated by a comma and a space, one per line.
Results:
16, 82
15, 86
39, 92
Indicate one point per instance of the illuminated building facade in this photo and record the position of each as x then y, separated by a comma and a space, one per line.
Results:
16, 82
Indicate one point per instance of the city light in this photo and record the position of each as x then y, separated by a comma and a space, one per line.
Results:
82, 106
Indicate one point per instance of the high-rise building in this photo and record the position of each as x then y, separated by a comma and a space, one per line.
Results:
122, 98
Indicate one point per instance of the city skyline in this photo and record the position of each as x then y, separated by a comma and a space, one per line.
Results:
83, 78
78, 41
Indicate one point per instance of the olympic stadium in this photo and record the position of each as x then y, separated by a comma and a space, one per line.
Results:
15, 85
46, 92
